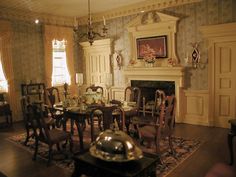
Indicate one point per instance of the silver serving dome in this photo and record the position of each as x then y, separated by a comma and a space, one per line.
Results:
115, 145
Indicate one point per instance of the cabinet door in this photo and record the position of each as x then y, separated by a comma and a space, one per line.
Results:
97, 61
225, 80
98, 66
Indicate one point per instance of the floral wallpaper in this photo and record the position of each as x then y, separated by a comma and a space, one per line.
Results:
28, 53
28, 49
192, 16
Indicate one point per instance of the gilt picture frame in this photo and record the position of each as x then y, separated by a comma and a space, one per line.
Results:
156, 43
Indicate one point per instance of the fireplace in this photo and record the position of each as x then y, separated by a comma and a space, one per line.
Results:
161, 78
148, 88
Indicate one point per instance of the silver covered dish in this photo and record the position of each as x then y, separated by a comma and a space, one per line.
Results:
115, 146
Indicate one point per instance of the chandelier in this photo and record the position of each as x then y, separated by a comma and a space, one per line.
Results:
91, 34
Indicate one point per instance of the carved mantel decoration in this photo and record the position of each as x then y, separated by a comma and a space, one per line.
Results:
149, 25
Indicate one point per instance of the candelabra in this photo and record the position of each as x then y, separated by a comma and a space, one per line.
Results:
79, 79
108, 84
91, 34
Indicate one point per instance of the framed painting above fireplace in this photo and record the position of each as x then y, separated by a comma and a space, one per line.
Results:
156, 46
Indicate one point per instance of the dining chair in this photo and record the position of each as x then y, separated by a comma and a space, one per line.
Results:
112, 117
43, 134
95, 89
132, 94
53, 96
97, 114
25, 101
161, 125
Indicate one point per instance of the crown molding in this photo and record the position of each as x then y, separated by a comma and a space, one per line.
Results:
147, 5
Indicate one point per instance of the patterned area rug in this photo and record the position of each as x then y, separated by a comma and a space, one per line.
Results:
183, 148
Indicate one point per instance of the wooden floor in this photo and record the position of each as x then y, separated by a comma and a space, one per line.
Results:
16, 162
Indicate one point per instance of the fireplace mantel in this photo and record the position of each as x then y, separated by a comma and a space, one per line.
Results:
175, 74
155, 73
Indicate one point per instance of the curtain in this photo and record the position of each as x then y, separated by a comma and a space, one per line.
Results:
6, 58
59, 33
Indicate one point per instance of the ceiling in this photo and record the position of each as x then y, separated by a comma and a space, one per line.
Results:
66, 8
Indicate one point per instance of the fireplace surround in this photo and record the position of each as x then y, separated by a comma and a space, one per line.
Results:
170, 74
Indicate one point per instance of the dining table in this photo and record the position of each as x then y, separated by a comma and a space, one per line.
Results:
79, 114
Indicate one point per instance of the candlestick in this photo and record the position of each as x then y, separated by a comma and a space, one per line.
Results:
75, 23
79, 78
104, 21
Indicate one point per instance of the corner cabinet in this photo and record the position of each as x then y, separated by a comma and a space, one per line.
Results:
36, 92
97, 61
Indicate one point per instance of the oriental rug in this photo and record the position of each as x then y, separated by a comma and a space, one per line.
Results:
184, 148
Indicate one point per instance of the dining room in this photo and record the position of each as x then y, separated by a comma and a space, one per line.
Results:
138, 54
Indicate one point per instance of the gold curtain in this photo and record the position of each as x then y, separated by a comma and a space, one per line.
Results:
59, 33
6, 53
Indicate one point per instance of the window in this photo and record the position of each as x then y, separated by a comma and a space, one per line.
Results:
3, 81
60, 73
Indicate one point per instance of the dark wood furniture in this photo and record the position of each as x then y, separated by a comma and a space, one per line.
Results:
79, 117
97, 114
231, 135
53, 96
36, 92
109, 114
44, 134
95, 89
25, 101
91, 166
162, 125
132, 94
5, 111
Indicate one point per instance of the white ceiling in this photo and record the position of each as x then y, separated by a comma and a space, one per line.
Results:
69, 8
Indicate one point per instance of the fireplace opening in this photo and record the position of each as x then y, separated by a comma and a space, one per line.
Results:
148, 89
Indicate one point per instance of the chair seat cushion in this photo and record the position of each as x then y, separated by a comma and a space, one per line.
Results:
148, 131
142, 120
58, 135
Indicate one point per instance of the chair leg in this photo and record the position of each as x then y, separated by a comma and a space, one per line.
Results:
100, 123
171, 145
127, 127
36, 148
72, 126
49, 155
71, 145
27, 135
58, 147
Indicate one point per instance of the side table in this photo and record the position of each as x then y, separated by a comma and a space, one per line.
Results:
231, 135
5, 111
91, 166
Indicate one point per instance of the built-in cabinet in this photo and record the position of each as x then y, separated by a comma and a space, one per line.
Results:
97, 61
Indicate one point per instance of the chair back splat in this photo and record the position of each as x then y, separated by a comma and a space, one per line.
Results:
132, 94
53, 95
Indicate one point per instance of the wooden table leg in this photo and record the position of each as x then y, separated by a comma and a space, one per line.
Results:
230, 144
80, 133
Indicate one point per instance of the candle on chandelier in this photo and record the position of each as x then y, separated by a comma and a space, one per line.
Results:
79, 78
75, 23
104, 21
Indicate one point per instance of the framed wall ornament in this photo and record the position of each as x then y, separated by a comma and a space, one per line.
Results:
154, 34
156, 45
